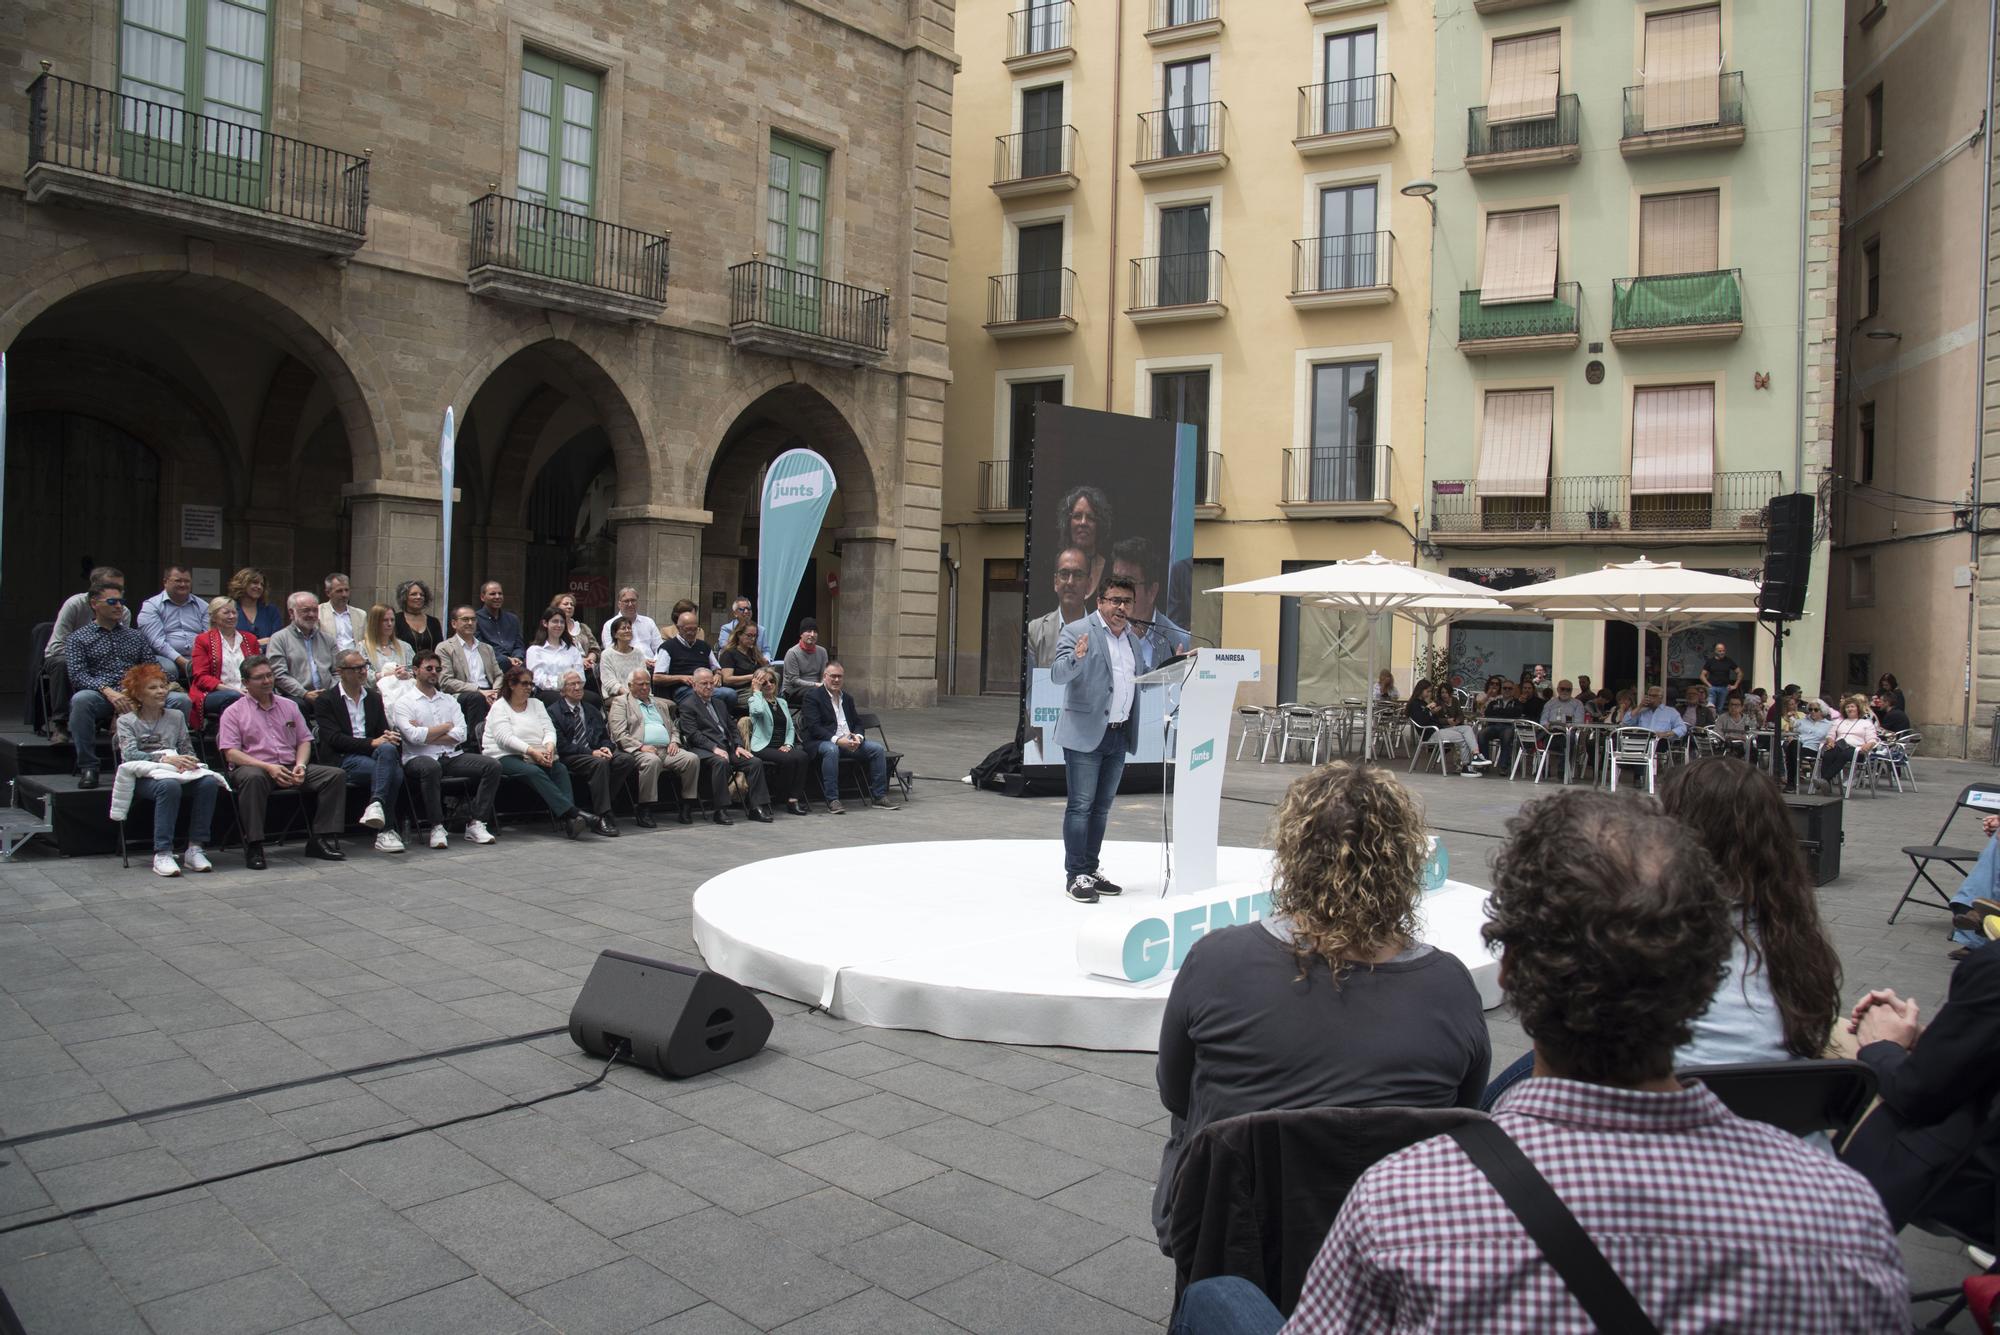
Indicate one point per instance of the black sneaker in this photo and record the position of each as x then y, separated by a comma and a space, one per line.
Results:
1106, 887
1082, 888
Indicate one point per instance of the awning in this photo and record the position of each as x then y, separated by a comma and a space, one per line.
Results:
1520, 257
1683, 69
1527, 73
1673, 440
1514, 443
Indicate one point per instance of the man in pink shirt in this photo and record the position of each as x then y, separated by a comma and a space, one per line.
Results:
264, 738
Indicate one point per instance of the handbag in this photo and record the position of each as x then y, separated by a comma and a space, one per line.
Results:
1563, 1243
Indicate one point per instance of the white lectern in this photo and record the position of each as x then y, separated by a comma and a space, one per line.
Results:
1207, 679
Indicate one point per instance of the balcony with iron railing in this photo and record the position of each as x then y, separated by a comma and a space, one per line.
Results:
776, 309
535, 255
1181, 139
1183, 21
1537, 141
1677, 308
1003, 486
1551, 324
1025, 305
98, 149
1185, 286
1035, 162
1337, 482
1681, 117
1601, 508
1346, 114
1039, 36
1342, 270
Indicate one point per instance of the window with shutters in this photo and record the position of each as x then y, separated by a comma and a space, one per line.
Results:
1673, 456
1679, 233
1341, 463
1682, 77
1526, 77
555, 165
178, 59
1521, 256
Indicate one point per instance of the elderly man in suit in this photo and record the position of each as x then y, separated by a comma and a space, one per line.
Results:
302, 654
707, 730
826, 727
642, 726
1096, 662
354, 733
468, 669
584, 745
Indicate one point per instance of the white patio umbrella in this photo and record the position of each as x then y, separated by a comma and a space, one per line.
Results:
1370, 584
1660, 596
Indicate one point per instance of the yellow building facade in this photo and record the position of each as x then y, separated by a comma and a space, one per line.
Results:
1193, 209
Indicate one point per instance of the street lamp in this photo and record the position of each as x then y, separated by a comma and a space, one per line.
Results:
1424, 189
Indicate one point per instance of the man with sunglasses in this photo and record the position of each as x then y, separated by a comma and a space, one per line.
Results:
97, 659
1095, 665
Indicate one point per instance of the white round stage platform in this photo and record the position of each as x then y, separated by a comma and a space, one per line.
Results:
974, 939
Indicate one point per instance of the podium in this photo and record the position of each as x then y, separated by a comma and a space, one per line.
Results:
1207, 680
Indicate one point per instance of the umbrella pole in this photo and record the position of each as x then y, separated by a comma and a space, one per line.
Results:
1367, 696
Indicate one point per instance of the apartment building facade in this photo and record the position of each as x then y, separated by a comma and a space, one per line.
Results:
1637, 211
1192, 209
254, 251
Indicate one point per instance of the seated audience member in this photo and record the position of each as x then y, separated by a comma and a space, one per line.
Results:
1757, 704
415, 625
1812, 730
643, 727
741, 657
1978, 895
433, 729
708, 731
498, 629
739, 612
301, 654
219, 652
552, 654
267, 745
520, 736
1604, 706
645, 631
1559, 712
617, 663
1735, 728
149, 731
337, 616
584, 747
804, 662
829, 734
1936, 1085
1889, 716
1332, 1002
1786, 719
72, 616
774, 739
389, 660
1384, 687
1853, 734
354, 728
171, 619
255, 613
1426, 714
1584, 690
1613, 940
678, 657
98, 657
580, 635
1695, 708
1886, 684
682, 605
467, 670
1496, 727
1656, 717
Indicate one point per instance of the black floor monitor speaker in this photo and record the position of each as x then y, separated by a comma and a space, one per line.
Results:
1817, 820
1787, 556
679, 1021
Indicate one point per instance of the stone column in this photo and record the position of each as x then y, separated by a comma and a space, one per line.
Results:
501, 553
659, 554
867, 612
393, 535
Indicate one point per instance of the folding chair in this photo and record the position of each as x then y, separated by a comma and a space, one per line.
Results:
1427, 739
1256, 724
1296, 723
1983, 798
1801, 1097
1531, 746
1635, 748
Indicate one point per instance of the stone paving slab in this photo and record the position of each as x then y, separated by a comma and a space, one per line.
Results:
844, 1180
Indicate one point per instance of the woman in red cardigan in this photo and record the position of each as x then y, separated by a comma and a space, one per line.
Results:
219, 652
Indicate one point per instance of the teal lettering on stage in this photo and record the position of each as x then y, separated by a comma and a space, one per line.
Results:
1188, 924
1146, 949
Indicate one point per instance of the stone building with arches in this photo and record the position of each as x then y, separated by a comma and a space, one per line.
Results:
254, 248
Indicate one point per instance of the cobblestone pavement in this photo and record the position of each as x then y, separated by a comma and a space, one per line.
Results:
845, 1180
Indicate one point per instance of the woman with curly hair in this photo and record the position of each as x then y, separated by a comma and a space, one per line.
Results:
1087, 521
255, 612
1332, 1001
415, 626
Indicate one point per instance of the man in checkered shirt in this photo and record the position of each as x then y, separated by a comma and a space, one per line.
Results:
1614, 937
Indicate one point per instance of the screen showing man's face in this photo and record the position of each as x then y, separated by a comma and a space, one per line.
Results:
1144, 595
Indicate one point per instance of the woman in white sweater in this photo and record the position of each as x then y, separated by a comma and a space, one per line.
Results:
520, 736
554, 654
617, 663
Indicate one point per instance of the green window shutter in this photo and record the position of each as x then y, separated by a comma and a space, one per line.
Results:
556, 167
210, 57
795, 218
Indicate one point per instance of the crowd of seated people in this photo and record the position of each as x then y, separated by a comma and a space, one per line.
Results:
329, 696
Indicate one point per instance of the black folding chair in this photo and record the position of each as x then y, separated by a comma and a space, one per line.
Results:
1982, 1155
1799, 1096
1983, 798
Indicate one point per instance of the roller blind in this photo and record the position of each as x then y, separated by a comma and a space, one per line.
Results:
1683, 62
1527, 71
1520, 257
1514, 444
1673, 440
1678, 233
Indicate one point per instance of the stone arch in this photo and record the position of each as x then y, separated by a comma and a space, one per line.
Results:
780, 405
619, 412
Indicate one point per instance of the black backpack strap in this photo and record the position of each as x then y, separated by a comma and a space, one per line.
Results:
1548, 1221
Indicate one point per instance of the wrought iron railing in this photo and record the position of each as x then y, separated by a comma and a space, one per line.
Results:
1180, 131
1034, 153
1677, 301
1180, 13
1604, 503
1341, 263
1729, 109
1019, 298
1188, 279
106, 133
1003, 484
1517, 136
1519, 319
776, 296
1341, 473
1367, 103
1038, 28
534, 238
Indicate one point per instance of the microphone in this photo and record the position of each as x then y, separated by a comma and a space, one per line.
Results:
1141, 621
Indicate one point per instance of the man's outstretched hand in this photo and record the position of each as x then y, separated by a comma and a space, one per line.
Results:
1082, 645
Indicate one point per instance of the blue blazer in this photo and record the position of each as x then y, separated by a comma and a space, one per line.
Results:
1086, 684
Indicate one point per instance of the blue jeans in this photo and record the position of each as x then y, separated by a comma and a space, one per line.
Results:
382, 771
872, 755
1718, 696
1226, 1305
1979, 884
218, 700
1093, 781
1523, 1067
166, 795
88, 709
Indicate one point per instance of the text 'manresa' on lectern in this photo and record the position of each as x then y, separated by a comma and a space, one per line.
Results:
1207, 681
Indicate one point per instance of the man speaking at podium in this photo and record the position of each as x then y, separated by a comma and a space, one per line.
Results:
1094, 665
